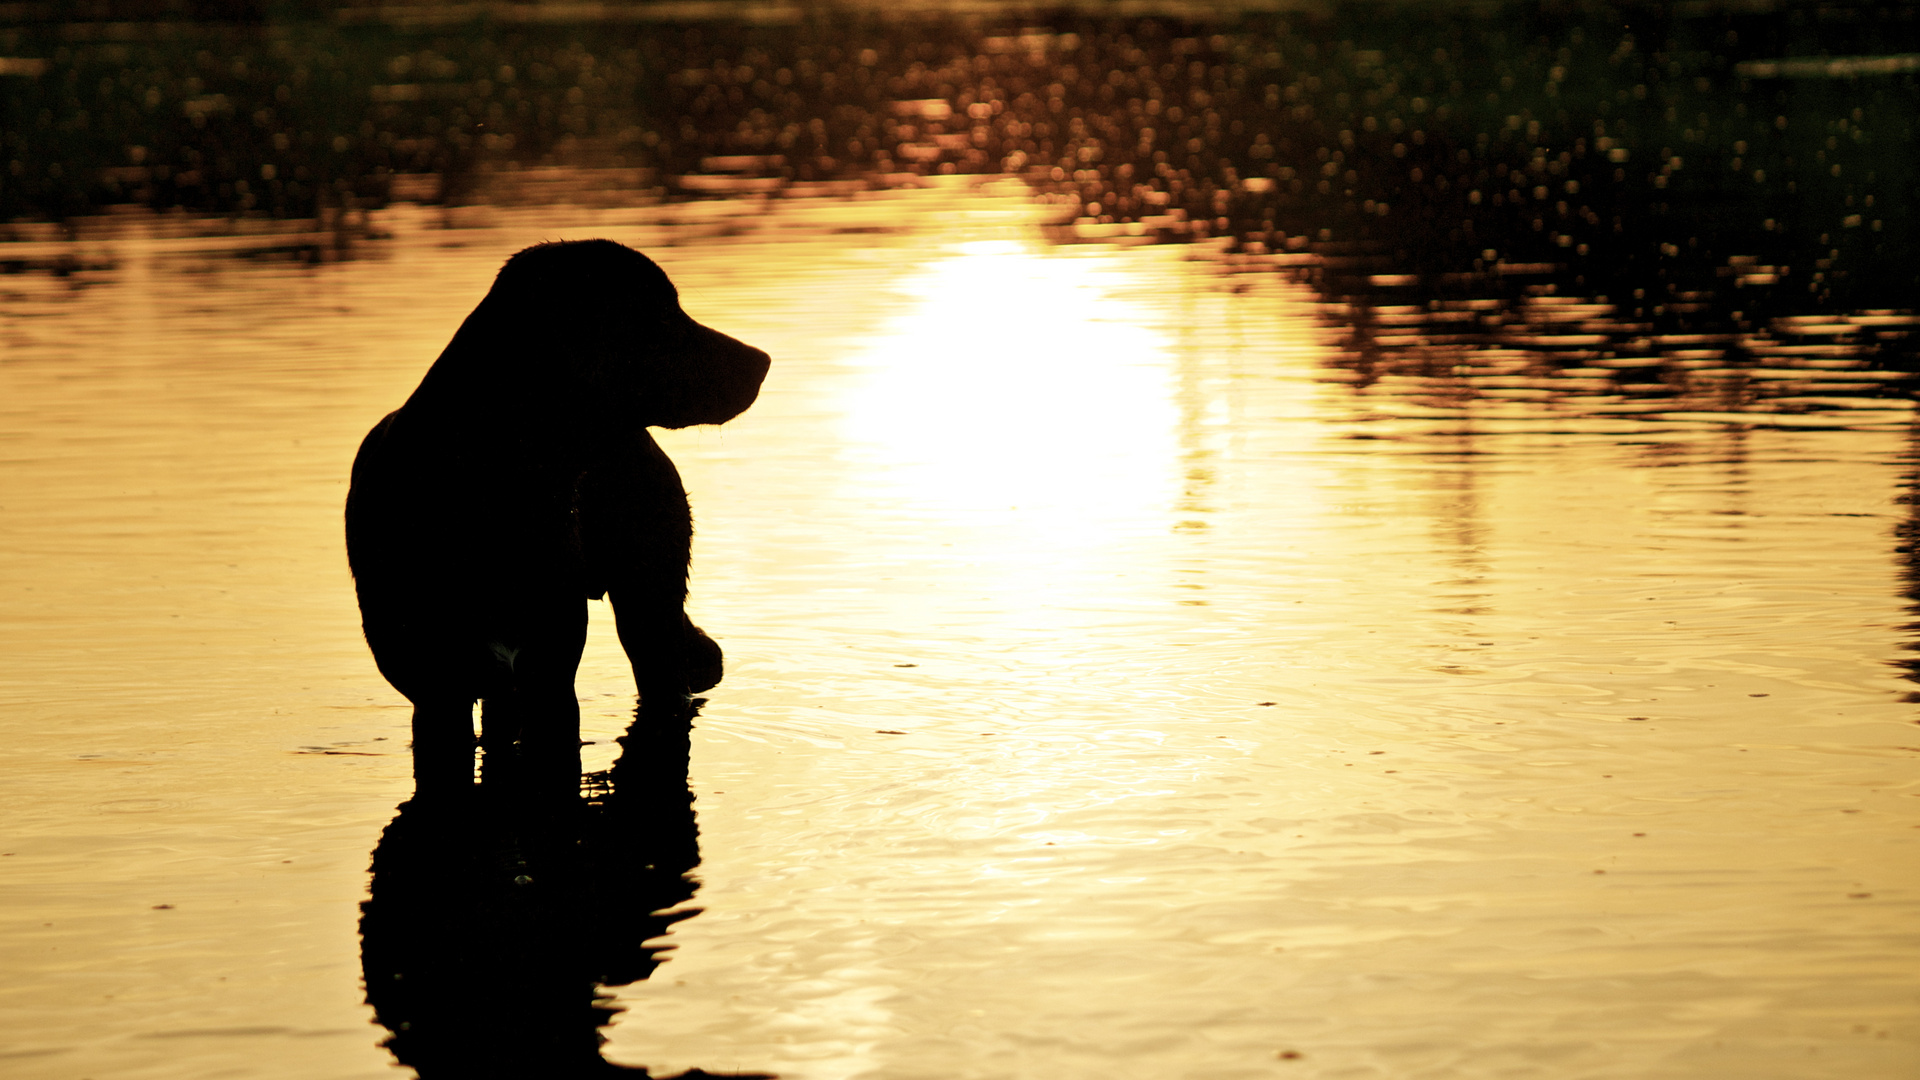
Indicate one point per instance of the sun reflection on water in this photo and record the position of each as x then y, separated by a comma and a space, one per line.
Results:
1118, 670
1016, 379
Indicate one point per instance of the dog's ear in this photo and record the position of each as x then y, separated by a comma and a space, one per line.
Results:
555, 333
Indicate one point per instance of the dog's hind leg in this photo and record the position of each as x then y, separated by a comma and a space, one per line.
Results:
531, 741
530, 716
550, 742
499, 734
442, 747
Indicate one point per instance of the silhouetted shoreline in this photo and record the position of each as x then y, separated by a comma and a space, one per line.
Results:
1625, 142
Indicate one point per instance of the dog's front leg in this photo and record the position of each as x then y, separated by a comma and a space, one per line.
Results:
654, 632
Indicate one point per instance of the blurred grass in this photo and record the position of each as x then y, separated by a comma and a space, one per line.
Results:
1634, 145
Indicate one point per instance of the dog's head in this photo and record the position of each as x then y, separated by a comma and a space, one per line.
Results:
599, 325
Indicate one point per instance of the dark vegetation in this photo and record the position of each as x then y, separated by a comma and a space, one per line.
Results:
1647, 150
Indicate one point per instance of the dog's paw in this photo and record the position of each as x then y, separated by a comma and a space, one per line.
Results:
704, 666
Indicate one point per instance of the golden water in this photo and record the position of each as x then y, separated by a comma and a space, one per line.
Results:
1116, 684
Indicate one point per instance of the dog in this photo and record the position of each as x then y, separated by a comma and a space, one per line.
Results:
518, 482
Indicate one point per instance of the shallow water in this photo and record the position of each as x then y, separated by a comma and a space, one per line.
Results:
1122, 674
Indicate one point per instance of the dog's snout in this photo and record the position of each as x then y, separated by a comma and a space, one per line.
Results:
729, 374
738, 359
750, 366
757, 362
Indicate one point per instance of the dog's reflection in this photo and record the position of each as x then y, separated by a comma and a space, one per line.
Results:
498, 914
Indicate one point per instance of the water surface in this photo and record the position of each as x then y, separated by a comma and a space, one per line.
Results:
1125, 669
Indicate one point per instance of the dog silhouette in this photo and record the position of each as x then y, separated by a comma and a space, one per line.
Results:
518, 482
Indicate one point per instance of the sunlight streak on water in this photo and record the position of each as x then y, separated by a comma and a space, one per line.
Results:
1015, 378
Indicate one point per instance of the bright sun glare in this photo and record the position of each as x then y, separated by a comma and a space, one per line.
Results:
1017, 378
